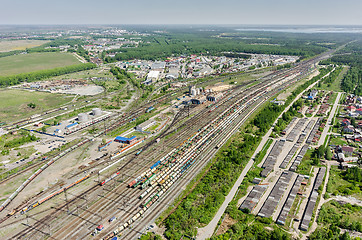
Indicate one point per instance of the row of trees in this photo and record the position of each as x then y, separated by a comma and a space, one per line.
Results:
203, 202
43, 74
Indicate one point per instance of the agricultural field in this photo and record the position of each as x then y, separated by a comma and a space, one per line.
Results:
6, 46
14, 103
35, 61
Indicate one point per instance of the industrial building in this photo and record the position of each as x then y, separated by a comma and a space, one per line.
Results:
71, 125
125, 140
143, 126
214, 97
198, 100
312, 94
96, 111
153, 76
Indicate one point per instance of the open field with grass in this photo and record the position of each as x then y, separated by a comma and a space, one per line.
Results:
6, 46
336, 84
14, 103
35, 61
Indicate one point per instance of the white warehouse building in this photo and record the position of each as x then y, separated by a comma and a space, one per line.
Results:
153, 76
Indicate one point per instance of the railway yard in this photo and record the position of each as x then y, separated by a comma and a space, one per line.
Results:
116, 189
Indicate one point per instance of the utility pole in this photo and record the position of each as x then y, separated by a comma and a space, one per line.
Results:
66, 199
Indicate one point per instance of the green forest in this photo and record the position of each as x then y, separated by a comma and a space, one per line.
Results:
350, 55
182, 42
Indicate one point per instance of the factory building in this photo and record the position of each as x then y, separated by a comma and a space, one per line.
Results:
153, 76
198, 100
214, 97
96, 111
125, 140
144, 126
313, 94
71, 125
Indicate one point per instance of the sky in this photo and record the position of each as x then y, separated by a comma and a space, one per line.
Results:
262, 12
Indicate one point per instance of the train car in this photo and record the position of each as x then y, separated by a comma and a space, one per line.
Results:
12, 212
110, 178
131, 184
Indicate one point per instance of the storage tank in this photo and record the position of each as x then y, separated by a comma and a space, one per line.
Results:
193, 92
96, 111
82, 117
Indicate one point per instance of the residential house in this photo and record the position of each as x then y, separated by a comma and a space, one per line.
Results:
348, 151
348, 129
346, 122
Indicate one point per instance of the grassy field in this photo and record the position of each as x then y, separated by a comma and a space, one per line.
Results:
336, 85
7, 46
338, 141
35, 61
14, 103
338, 186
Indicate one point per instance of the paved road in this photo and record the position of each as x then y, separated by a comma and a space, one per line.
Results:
331, 115
207, 231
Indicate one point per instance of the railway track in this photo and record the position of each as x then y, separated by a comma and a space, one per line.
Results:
121, 188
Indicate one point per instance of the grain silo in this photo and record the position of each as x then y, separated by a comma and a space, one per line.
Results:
82, 117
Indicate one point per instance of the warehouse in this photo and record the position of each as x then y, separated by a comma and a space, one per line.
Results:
143, 126
198, 101
153, 76
214, 97
125, 140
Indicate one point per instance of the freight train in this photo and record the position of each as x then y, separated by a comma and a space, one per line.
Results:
26, 209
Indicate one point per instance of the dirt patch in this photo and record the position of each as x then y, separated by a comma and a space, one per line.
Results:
225, 225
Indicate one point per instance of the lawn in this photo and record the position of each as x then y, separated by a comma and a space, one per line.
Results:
338, 186
337, 141
35, 61
14, 103
6, 46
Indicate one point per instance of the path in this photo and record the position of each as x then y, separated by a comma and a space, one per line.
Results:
329, 121
81, 59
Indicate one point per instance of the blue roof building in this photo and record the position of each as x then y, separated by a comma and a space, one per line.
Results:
71, 125
125, 140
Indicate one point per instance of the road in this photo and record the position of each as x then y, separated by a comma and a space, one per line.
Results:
329, 121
